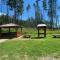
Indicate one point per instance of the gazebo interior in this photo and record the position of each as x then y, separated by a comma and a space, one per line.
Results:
9, 33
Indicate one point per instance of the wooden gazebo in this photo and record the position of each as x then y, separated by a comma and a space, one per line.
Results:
43, 27
9, 26
11, 21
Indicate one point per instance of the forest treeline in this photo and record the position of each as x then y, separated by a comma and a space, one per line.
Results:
49, 7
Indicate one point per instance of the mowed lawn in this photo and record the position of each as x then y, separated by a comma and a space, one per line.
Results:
31, 46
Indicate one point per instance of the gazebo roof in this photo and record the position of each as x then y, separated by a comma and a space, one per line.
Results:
10, 25
41, 25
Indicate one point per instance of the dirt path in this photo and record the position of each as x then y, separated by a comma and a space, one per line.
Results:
3, 40
25, 57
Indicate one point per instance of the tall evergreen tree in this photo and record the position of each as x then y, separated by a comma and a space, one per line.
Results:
44, 5
28, 8
17, 6
52, 12
37, 12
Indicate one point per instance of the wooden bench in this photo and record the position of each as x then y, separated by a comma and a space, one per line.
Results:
27, 36
56, 35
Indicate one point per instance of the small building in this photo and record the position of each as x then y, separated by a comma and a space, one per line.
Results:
43, 27
9, 26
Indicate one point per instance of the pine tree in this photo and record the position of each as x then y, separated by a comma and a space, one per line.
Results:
45, 4
37, 12
28, 8
17, 6
52, 12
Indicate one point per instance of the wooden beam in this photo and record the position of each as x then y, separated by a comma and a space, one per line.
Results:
44, 32
9, 30
38, 32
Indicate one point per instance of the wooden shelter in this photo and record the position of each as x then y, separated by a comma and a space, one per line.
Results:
43, 27
11, 21
9, 26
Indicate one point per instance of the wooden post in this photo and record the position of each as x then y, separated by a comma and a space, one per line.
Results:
9, 33
0, 32
16, 29
44, 31
21, 29
16, 32
9, 30
38, 32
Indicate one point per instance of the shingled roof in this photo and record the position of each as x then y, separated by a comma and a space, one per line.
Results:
41, 25
10, 25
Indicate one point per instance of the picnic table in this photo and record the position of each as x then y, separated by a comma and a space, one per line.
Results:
56, 35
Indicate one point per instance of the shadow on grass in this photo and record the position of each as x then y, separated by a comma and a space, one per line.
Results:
56, 37
7, 35
37, 37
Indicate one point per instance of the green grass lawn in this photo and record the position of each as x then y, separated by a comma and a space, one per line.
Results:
31, 47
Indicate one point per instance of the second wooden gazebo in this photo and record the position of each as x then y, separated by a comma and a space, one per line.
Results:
43, 27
